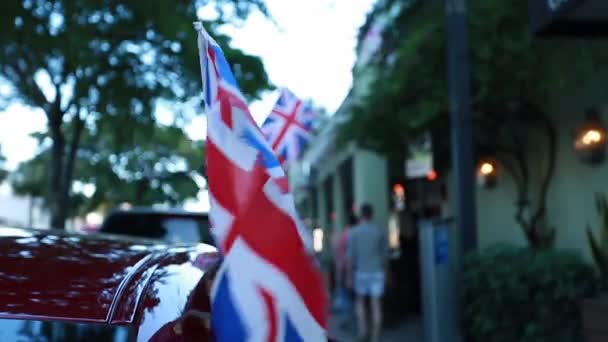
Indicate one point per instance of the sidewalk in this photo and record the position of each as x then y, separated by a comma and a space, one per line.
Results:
343, 329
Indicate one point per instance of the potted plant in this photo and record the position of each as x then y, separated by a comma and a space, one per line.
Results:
595, 310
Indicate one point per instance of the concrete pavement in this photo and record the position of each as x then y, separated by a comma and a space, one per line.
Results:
342, 328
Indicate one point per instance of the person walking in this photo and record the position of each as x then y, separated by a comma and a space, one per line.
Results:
343, 299
369, 258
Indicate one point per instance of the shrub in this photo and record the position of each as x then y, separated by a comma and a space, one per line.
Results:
516, 294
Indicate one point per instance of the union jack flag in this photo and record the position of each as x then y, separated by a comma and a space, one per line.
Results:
288, 126
268, 287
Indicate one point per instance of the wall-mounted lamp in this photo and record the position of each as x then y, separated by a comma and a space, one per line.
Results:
590, 139
487, 173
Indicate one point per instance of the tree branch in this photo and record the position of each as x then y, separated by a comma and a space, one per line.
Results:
27, 86
546, 181
77, 128
521, 158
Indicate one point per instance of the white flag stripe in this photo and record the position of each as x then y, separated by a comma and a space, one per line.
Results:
245, 275
221, 219
229, 142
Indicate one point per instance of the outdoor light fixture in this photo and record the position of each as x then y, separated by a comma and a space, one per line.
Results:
590, 139
487, 173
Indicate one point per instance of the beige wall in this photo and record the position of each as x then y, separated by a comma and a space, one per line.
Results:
570, 204
371, 184
369, 181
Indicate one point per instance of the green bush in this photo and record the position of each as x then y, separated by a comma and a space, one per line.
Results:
516, 294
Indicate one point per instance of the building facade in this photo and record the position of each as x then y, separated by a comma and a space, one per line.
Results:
570, 201
330, 181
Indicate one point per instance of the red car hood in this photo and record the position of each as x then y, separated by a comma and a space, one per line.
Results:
72, 277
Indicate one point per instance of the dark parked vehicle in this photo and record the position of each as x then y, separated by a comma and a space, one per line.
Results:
169, 225
56, 286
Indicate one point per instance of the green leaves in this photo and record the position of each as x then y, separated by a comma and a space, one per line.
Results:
408, 88
159, 165
104, 65
513, 294
508, 64
3, 171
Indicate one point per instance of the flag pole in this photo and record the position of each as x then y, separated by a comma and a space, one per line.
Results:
203, 45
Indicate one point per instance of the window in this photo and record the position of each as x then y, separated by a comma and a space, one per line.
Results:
346, 182
167, 227
328, 190
51, 331
179, 230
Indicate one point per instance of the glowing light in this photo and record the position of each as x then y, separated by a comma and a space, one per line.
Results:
591, 137
432, 175
126, 206
393, 231
94, 218
317, 235
486, 169
398, 189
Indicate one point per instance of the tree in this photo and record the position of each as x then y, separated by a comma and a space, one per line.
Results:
514, 78
408, 88
157, 166
3, 171
92, 64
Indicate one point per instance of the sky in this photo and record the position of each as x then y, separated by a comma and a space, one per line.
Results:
310, 48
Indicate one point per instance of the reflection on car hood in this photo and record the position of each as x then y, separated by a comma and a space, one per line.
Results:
70, 277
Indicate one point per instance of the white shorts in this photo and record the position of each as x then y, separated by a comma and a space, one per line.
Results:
369, 284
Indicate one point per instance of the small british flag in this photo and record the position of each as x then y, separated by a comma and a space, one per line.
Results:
288, 127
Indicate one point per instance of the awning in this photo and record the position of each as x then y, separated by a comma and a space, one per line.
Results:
578, 18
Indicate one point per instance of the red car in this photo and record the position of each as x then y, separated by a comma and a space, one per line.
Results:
56, 286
